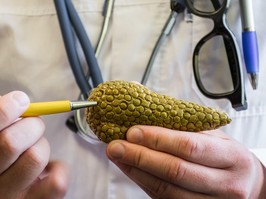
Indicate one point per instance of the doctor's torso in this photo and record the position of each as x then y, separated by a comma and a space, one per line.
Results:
33, 59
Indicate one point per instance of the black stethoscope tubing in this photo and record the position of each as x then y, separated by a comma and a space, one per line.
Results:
70, 23
177, 6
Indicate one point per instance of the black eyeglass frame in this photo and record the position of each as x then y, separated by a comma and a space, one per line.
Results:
237, 96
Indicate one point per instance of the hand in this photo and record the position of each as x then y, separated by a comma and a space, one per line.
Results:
24, 154
172, 164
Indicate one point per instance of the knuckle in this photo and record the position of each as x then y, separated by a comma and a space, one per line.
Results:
37, 123
236, 190
8, 146
175, 171
35, 160
142, 158
4, 114
189, 147
127, 169
243, 160
138, 158
37, 156
156, 141
11, 142
160, 188
246, 159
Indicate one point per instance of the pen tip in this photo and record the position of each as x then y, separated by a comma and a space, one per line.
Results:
82, 104
254, 81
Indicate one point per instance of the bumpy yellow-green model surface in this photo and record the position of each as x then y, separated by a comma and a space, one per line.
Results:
123, 104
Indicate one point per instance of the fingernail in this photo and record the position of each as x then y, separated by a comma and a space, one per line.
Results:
21, 98
135, 135
116, 150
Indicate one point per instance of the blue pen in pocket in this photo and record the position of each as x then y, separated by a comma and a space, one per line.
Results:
249, 42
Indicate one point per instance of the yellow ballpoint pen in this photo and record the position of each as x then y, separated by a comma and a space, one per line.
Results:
53, 107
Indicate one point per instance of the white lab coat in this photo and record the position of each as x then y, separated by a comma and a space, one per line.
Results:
33, 59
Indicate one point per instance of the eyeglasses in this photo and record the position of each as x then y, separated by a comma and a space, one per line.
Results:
210, 64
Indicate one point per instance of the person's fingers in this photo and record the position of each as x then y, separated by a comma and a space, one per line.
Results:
166, 167
53, 183
202, 148
17, 138
12, 105
156, 187
26, 169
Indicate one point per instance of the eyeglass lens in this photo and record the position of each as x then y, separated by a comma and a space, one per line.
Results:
215, 78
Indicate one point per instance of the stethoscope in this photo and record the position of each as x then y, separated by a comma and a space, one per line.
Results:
73, 30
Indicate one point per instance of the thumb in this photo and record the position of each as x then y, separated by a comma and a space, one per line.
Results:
52, 183
12, 105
